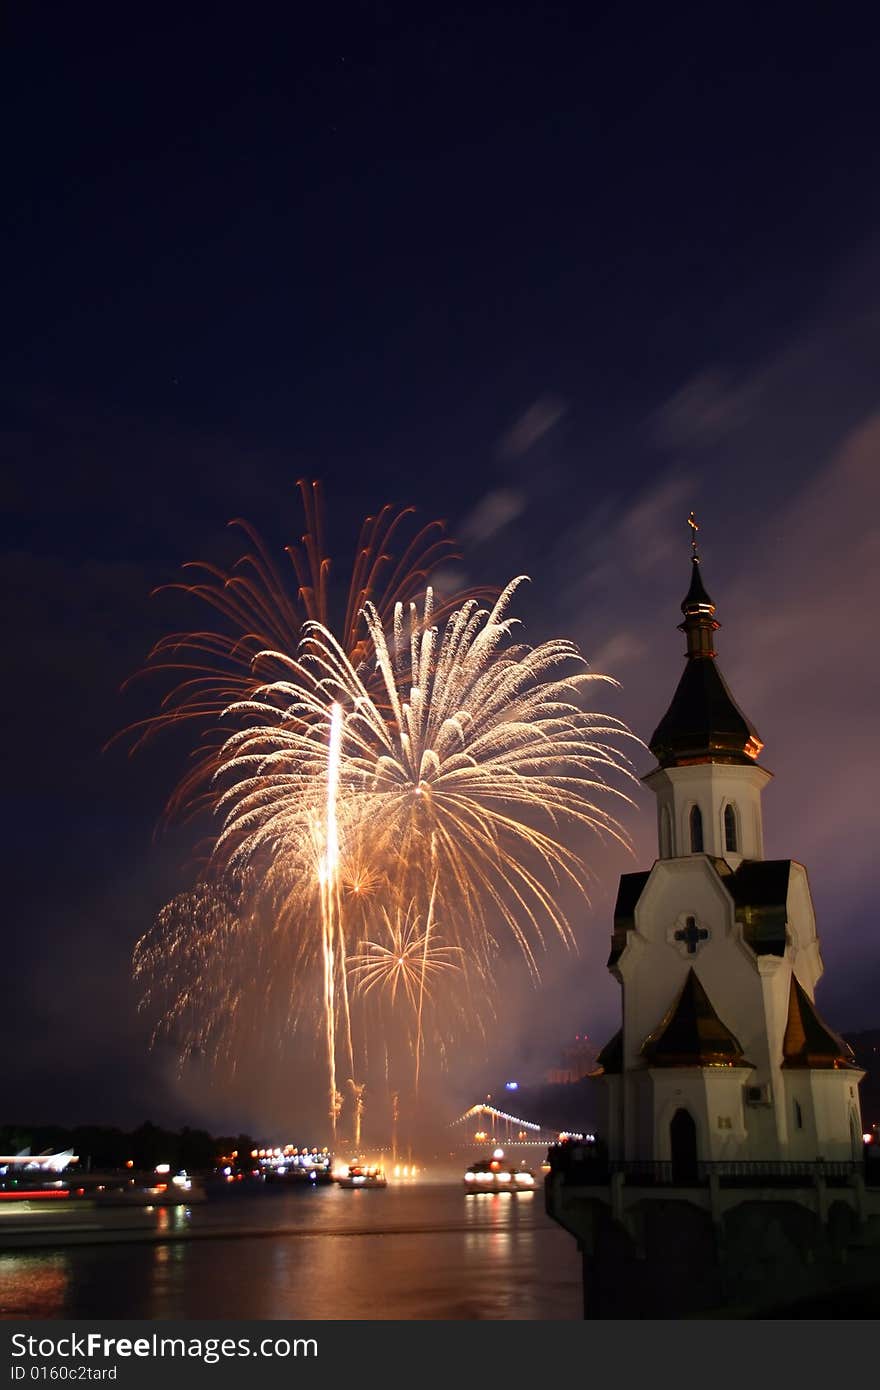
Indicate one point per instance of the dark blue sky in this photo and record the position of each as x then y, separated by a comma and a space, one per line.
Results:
557, 273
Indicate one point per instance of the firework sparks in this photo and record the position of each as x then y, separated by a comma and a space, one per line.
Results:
466, 771
358, 1091
175, 960
261, 610
409, 958
405, 958
330, 905
430, 768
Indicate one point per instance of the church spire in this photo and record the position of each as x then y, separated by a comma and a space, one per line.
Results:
704, 723
699, 624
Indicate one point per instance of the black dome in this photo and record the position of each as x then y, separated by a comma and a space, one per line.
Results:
704, 723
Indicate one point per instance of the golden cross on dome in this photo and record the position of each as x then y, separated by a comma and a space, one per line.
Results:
694, 525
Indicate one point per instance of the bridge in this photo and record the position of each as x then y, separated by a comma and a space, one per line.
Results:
485, 1126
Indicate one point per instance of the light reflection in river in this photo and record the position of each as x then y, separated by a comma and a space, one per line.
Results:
44, 1286
430, 1251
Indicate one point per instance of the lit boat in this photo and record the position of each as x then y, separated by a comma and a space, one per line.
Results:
27, 1177
35, 1189
364, 1175
295, 1168
493, 1175
181, 1191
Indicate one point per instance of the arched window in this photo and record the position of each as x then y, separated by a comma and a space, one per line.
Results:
730, 840
665, 834
798, 1115
683, 1147
696, 830
857, 1141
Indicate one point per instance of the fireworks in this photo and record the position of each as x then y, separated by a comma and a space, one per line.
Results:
461, 773
398, 799
409, 958
358, 1090
176, 961
465, 771
406, 958
261, 611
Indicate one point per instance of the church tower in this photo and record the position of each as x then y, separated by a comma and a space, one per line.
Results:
722, 1055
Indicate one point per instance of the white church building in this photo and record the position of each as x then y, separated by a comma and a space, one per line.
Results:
722, 1055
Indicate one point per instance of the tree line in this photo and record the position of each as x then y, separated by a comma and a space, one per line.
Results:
100, 1146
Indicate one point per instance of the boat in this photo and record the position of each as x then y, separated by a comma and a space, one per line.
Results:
364, 1175
289, 1166
36, 1189
181, 1191
27, 1177
494, 1175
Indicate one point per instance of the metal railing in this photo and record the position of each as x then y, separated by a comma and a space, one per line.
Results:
591, 1170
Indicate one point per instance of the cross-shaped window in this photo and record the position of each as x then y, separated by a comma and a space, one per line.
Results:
692, 935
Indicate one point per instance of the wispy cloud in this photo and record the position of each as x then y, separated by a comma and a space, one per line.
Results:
705, 409
812, 671
495, 511
621, 650
540, 417
782, 463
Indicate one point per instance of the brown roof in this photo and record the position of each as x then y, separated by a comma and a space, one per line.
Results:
628, 894
759, 888
809, 1042
692, 1034
610, 1059
704, 723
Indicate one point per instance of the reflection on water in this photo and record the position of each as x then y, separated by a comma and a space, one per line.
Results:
405, 1252
34, 1286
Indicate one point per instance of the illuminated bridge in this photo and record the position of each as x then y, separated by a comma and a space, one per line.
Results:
485, 1126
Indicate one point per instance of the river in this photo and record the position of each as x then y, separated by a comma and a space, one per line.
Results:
423, 1251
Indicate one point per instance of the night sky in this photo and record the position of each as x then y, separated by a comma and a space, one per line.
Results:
556, 273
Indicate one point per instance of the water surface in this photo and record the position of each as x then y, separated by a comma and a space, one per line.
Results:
422, 1251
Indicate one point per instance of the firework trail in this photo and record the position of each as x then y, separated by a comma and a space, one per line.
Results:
461, 777
404, 959
465, 772
422, 766
262, 609
358, 1091
408, 960
328, 877
227, 961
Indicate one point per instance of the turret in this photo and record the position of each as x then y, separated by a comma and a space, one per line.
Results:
707, 781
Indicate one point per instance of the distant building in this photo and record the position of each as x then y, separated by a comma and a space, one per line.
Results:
577, 1061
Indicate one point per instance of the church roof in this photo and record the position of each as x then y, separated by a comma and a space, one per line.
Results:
628, 894
692, 1034
759, 888
610, 1059
809, 1042
696, 596
703, 723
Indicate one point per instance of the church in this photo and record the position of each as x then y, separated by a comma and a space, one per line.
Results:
722, 1054
730, 1169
